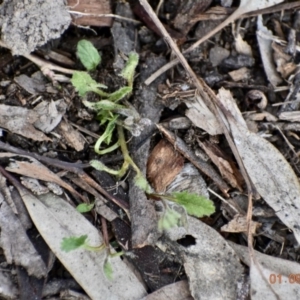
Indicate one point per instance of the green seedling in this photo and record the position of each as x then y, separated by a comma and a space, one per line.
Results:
85, 207
110, 114
73, 243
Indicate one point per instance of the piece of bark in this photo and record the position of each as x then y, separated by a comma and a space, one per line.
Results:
200, 164
92, 7
164, 164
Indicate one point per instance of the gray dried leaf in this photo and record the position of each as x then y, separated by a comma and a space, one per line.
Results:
280, 275
20, 120
270, 173
50, 114
17, 246
263, 35
212, 267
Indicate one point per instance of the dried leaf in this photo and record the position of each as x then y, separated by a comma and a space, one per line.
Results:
265, 46
56, 219
239, 224
210, 278
72, 136
37, 170
16, 245
20, 120
50, 114
164, 163
202, 117
271, 174
281, 277
242, 47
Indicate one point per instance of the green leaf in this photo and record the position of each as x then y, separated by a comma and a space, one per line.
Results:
84, 83
85, 207
129, 69
141, 182
108, 270
88, 55
194, 204
120, 93
169, 219
72, 243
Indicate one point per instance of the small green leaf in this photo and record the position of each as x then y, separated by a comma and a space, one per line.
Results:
108, 270
169, 219
88, 55
141, 182
194, 204
72, 243
85, 207
120, 93
84, 83
128, 71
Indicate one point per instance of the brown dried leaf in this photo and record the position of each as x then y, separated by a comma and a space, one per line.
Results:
271, 174
72, 137
163, 165
33, 168
239, 224
202, 117
226, 167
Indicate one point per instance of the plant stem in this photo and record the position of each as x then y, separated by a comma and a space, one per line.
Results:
124, 149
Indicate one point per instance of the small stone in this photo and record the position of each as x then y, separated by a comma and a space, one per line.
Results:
217, 55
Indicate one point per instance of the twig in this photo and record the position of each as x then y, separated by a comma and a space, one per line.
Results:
104, 16
45, 66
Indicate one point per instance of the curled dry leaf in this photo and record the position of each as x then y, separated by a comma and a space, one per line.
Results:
270, 173
256, 95
163, 165
242, 47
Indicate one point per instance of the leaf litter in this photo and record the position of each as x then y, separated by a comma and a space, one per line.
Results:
269, 171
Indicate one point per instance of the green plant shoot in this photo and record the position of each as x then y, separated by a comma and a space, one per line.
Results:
85, 207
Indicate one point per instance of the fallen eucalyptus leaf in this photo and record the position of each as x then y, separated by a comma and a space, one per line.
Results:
55, 219
270, 173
